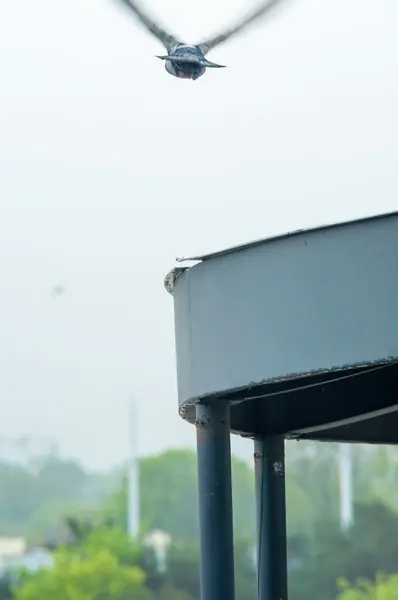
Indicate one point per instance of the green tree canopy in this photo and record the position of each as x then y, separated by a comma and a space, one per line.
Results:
369, 548
383, 588
31, 498
35, 496
97, 577
168, 487
114, 540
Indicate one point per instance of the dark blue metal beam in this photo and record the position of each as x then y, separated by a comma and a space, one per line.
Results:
215, 501
269, 461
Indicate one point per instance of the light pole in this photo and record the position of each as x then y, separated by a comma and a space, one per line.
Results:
346, 487
133, 485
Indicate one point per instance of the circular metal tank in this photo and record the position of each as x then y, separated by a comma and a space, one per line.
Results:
299, 332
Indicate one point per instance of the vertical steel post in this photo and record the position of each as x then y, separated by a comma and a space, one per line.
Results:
215, 501
269, 461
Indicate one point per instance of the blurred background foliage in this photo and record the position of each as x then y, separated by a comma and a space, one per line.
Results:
81, 517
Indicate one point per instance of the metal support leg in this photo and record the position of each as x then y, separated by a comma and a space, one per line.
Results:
269, 461
215, 501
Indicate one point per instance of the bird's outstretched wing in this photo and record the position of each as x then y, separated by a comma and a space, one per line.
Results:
167, 39
265, 7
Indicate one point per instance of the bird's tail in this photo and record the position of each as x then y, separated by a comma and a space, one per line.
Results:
196, 60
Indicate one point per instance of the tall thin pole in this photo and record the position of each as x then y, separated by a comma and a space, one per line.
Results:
215, 501
133, 486
269, 464
346, 487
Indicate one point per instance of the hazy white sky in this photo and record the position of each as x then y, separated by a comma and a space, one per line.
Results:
109, 168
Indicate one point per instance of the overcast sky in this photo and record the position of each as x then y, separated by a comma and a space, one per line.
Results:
109, 168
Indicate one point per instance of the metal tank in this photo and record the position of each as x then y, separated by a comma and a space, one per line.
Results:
294, 336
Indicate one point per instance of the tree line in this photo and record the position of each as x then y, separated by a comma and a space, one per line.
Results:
101, 562
323, 561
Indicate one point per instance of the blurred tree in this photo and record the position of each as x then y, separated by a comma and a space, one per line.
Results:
5, 587
113, 539
31, 499
312, 486
64, 476
183, 569
168, 592
371, 547
376, 474
245, 570
18, 497
53, 511
316, 562
34, 497
383, 588
97, 577
168, 486
182, 561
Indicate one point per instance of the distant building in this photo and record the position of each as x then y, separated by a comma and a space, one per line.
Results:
10, 547
32, 560
14, 554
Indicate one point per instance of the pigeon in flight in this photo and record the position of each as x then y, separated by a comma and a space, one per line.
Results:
190, 62
58, 290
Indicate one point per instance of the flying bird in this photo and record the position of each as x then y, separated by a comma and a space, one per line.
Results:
58, 290
187, 61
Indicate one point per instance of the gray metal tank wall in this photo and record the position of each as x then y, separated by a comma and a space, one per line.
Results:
318, 300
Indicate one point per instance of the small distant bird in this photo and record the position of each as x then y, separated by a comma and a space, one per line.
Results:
186, 61
58, 290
